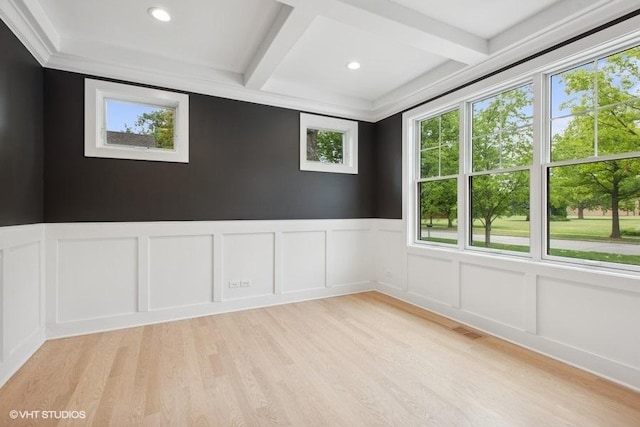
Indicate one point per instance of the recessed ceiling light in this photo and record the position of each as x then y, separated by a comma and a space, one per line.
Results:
160, 14
353, 65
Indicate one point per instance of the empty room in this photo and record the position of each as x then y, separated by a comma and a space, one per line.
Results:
319, 213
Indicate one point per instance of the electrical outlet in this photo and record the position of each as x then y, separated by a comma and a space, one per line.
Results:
388, 274
234, 284
245, 283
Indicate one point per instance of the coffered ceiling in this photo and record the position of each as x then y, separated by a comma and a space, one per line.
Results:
293, 53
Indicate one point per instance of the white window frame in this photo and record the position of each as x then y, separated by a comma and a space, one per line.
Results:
95, 144
350, 150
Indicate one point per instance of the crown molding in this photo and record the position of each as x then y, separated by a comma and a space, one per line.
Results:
27, 20
207, 81
30, 24
451, 74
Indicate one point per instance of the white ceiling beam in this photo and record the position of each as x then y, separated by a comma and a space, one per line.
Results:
286, 30
380, 17
391, 20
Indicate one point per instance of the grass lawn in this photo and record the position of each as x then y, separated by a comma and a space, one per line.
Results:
597, 256
595, 228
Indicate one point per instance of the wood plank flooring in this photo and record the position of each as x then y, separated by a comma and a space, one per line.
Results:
359, 360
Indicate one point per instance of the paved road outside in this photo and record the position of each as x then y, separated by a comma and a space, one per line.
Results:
574, 245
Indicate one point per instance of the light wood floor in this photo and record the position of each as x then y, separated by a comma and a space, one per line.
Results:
359, 360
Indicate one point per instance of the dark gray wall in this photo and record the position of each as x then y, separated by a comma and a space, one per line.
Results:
20, 133
244, 164
389, 167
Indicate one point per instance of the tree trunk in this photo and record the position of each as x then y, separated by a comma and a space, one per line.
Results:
487, 234
449, 222
615, 213
580, 212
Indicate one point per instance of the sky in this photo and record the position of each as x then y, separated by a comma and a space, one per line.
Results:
119, 113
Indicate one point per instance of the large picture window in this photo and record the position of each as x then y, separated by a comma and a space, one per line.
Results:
546, 166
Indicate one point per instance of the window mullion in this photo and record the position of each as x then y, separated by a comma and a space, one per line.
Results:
537, 198
465, 141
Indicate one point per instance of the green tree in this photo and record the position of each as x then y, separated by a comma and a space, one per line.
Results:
325, 146
493, 195
439, 199
611, 128
159, 123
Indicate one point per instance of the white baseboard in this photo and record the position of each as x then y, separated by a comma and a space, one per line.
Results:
21, 355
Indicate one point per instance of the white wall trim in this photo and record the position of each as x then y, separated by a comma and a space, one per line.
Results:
528, 320
239, 251
22, 287
625, 375
510, 304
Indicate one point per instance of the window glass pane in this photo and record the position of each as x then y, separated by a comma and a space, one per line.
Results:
325, 146
619, 77
500, 211
593, 211
572, 137
139, 125
619, 129
486, 152
502, 130
572, 91
439, 145
438, 211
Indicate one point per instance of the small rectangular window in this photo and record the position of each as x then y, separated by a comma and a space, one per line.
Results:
328, 144
131, 122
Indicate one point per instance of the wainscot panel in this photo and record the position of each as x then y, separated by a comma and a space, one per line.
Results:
103, 276
586, 317
22, 329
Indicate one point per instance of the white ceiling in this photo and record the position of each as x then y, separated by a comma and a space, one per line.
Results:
293, 53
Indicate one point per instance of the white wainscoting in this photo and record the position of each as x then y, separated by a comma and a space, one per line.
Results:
113, 275
102, 276
22, 329
587, 318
